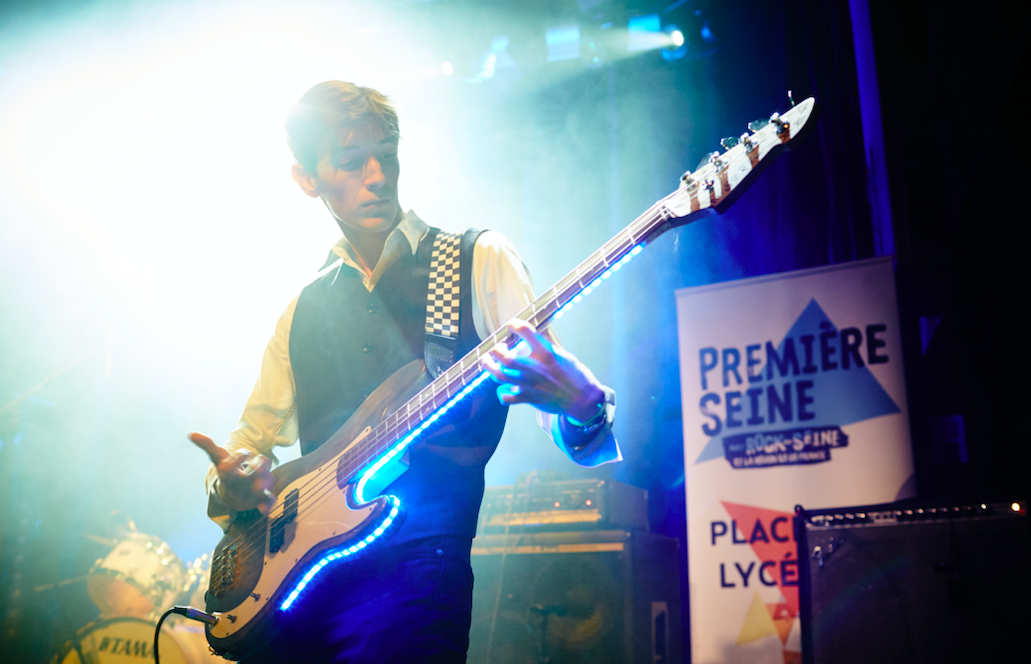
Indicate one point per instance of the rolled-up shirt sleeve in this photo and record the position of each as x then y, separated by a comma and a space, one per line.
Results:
269, 418
502, 289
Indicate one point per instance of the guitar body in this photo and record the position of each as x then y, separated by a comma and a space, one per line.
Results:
261, 559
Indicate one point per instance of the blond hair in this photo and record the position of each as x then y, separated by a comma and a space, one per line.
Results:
330, 107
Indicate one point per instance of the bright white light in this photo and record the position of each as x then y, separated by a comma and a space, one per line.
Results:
447, 69
161, 140
675, 46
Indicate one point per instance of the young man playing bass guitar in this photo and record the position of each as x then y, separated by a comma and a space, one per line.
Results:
409, 597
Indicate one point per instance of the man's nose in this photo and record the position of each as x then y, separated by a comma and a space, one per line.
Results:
374, 178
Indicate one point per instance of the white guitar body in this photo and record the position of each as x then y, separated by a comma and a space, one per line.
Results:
262, 564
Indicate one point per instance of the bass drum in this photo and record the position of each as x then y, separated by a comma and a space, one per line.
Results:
141, 578
121, 641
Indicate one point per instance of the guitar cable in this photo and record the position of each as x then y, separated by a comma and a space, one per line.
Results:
185, 611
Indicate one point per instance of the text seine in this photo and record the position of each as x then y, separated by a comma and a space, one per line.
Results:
791, 400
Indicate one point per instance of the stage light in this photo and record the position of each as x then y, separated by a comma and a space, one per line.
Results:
446, 69
643, 33
563, 42
706, 33
676, 45
496, 57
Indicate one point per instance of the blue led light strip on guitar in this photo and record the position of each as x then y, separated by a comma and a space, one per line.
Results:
407, 440
597, 282
366, 476
341, 553
412, 435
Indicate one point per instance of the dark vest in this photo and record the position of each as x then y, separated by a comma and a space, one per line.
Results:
345, 341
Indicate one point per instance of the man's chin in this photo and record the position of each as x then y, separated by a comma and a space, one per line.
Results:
383, 224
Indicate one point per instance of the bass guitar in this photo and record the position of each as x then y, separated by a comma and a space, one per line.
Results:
330, 506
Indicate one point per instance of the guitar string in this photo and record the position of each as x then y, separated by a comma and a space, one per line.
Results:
325, 486
576, 276
647, 222
374, 442
426, 402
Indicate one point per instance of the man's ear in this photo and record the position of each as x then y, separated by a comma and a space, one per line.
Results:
306, 182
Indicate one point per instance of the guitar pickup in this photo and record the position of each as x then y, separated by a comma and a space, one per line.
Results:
277, 530
223, 569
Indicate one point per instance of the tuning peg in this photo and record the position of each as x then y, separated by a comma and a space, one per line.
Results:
706, 160
782, 126
757, 125
791, 99
729, 142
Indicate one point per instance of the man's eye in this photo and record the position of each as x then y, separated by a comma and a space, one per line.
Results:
352, 164
391, 156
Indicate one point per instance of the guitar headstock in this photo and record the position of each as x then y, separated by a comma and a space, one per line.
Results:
723, 176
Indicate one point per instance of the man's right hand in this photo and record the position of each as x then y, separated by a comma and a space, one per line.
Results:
244, 479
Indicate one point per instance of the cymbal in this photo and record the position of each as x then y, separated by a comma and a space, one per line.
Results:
106, 541
65, 582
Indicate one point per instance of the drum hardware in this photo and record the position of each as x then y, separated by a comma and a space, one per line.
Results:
198, 574
63, 582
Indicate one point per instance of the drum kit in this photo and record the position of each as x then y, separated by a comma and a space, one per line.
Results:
138, 580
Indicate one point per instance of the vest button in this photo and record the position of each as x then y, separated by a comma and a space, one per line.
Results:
367, 348
371, 309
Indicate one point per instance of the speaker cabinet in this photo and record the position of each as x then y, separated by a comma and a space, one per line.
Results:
893, 583
593, 596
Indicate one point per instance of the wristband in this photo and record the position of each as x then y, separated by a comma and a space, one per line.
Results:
591, 425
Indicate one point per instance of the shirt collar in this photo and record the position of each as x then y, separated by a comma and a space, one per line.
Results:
412, 228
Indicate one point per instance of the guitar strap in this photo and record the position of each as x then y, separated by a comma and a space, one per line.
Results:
443, 302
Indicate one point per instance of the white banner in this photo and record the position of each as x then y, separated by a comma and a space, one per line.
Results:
793, 394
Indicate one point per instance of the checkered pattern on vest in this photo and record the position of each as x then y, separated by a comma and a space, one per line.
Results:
442, 298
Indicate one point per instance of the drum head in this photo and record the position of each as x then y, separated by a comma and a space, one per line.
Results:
120, 641
140, 577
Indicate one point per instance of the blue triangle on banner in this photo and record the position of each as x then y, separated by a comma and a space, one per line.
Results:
843, 396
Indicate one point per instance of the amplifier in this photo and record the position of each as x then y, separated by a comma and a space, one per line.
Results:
584, 597
911, 584
565, 505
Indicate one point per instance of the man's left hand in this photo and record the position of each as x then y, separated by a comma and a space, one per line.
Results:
538, 371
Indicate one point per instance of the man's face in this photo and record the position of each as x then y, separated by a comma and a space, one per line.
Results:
357, 179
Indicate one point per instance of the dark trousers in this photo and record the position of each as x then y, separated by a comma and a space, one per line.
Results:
410, 602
